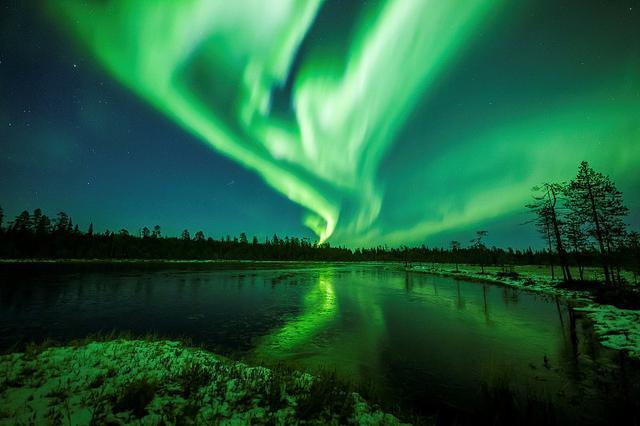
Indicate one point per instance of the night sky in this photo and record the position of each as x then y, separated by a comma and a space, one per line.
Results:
364, 122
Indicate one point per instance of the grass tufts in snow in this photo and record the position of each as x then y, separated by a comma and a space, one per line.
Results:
153, 382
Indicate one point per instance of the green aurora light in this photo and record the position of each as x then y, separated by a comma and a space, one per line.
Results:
345, 120
212, 67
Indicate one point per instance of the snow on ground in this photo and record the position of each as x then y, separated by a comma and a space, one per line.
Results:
617, 328
155, 382
531, 278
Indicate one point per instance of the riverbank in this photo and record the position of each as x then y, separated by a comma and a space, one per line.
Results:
153, 382
616, 328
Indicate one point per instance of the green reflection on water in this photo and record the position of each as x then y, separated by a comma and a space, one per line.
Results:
351, 320
338, 330
318, 311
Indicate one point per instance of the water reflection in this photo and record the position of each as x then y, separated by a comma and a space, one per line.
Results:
318, 310
417, 337
431, 338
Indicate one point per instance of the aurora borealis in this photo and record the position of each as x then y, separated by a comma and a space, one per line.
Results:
387, 122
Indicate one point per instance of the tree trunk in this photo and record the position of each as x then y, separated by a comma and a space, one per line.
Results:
599, 237
580, 268
553, 275
566, 272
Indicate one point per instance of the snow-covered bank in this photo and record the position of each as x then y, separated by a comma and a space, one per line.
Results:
154, 382
617, 328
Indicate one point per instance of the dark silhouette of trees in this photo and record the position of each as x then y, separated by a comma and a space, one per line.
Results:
62, 223
593, 200
42, 224
455, 247
545, 206
36, 217
22, 223
146, 232
1, 218
543, 225
56, 241
587, 209
633, 243
578, 241
479, 246
563, 215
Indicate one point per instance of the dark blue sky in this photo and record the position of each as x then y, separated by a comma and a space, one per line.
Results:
75, 140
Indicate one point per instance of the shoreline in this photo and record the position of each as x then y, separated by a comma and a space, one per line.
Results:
153, 382
615, 327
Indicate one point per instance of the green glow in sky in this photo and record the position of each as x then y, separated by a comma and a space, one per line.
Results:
213, 67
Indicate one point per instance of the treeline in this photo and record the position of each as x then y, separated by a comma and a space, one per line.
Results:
582, 222
36, 236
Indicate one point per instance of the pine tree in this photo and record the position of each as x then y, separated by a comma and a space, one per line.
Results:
62, 222
578, 241
145, 232
22, 223
36, 217
44, 225
594, 200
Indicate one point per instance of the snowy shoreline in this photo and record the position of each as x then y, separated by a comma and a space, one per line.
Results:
151, 382
616, 328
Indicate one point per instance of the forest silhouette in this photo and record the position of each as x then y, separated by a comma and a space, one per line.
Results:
581, 222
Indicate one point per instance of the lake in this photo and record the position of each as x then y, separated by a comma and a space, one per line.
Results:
424, 342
